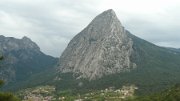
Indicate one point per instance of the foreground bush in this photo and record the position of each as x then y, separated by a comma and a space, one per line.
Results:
8, 97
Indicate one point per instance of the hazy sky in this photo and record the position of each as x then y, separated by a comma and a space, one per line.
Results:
53, 23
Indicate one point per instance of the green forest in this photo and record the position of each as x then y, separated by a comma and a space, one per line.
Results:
6, 96
171, 94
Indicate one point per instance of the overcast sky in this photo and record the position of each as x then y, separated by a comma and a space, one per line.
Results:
53, 23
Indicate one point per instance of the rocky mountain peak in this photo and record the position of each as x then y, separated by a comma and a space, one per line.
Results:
28, 43
10, 43
22, 58
107, 17
102, 48
105, 21
25, 38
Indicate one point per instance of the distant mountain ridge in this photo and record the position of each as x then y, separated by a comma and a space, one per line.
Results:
174, 49
22, 58
11, 43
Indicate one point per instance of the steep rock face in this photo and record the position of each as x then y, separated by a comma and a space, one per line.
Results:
22, 58
102, 48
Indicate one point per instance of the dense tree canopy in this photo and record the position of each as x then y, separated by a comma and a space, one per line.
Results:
172, 94
6, 96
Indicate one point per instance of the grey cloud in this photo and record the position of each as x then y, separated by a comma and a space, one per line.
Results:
52, 23
162, 32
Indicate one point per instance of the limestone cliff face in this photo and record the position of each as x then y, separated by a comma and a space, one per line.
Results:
102, 48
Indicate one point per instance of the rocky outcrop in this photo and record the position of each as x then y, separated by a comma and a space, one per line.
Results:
102, 48
10, 43
22, 58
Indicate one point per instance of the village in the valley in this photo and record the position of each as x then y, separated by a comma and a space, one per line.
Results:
47, 93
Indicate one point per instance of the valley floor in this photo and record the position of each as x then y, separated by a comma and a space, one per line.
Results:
47, 93
126, 93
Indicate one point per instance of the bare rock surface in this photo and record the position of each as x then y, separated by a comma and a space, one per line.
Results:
102, 48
